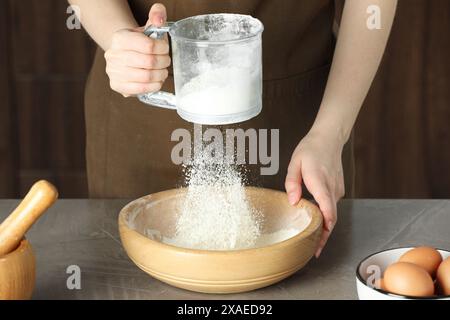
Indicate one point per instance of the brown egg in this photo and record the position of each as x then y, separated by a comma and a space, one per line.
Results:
425, 257
408, 279
443, 277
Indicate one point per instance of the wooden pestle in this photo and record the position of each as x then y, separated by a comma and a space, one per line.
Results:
40, 197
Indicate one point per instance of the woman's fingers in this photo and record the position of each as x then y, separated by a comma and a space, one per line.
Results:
133, 73
133, 88
128, 74
319, 189
136, 63
134, 40
323, 241
157, 15
137, 60
293, 182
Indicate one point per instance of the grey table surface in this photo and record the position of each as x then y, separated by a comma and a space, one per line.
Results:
85, 233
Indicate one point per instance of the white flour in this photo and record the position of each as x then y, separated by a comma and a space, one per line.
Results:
278, 236
221, 91
215, 214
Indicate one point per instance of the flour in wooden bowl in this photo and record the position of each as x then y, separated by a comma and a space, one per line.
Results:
215, 214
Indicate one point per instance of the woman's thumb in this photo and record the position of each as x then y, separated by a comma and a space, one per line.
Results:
157, 15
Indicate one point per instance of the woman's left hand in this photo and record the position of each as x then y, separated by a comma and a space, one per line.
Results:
317, 163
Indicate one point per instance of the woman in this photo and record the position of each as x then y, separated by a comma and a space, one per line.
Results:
315, 107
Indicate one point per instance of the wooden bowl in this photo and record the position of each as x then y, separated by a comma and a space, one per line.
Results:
214, 271
17, 273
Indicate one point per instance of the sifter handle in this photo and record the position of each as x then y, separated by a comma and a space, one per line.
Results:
160, 99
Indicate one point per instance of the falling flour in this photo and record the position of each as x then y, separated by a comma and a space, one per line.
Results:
215, 214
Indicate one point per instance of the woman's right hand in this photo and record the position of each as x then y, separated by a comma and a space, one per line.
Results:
136, 63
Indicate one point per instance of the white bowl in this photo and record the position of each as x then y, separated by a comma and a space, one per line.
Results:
375, 264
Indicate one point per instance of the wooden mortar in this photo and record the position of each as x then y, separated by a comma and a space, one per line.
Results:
17, 261
17, 273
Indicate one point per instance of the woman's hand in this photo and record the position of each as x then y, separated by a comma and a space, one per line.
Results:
317, 159
317, 162
136, 63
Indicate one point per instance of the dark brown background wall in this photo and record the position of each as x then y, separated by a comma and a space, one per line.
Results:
402, 134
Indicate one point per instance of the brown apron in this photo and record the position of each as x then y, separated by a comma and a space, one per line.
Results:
128, 143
